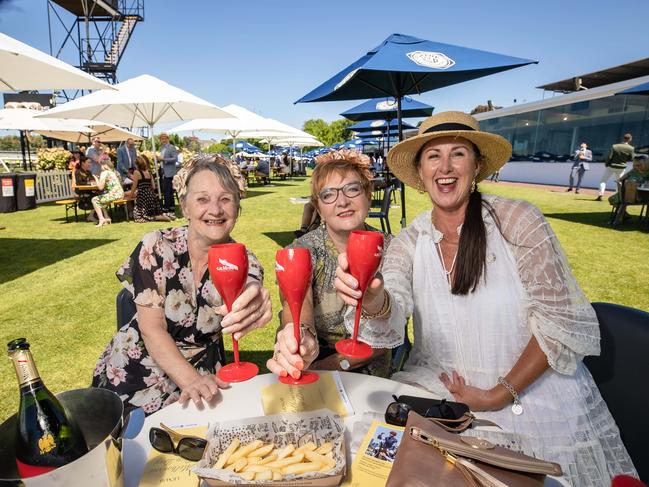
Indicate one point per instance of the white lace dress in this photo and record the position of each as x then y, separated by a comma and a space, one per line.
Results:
529, 291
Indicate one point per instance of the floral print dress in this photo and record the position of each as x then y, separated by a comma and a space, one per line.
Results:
159, 275
112, 188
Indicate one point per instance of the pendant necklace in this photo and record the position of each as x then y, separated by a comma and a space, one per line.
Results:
438, 237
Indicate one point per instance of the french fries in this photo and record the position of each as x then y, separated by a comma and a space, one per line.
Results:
264, 462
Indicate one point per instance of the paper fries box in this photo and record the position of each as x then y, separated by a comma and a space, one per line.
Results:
297, 429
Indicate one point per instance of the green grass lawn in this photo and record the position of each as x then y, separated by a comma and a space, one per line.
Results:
57, 282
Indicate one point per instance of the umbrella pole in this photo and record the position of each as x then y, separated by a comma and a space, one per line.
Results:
403, 186
22, 149
29, 152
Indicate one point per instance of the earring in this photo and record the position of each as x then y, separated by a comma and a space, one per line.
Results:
473, 186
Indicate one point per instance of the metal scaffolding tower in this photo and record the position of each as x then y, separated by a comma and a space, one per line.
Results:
99, 31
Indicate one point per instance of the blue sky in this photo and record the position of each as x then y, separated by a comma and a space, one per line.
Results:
265, 55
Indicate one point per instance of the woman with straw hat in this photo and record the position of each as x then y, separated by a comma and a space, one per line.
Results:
500, 322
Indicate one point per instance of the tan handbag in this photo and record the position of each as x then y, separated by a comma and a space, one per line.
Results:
429, 456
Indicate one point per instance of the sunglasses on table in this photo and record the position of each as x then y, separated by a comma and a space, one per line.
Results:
166, 440
397, 412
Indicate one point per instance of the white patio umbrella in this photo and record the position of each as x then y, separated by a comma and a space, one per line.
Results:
245, 122
24, 68
297, 142
24, 120
106, 131
143, 101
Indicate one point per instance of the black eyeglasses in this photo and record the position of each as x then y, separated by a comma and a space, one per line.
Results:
397, 412
330, 195
187, 447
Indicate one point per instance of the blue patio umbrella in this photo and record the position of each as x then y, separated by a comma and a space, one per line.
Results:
242, 145
642, 89
385, 108
382, 125
403, 65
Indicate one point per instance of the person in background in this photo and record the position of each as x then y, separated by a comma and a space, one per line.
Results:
169, 162
94, 153
615, 162
628, 184
498, 315
147, 205
83, 177
108, 182
171, 348
583, 157
126, 155
341, 190
262, 170
75, 161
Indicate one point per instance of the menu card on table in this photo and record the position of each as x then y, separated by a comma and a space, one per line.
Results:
373, 460
327, 392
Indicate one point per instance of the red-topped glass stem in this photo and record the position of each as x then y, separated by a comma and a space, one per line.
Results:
293, 270
228, 267
364, 253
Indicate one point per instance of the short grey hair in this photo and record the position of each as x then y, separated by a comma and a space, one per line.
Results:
209, 162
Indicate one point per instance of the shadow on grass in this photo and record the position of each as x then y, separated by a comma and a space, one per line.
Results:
251, 193
599, 219
255, 356
281, 238
20, 256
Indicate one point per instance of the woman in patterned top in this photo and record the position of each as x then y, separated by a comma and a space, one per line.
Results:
108, 182
171, 348
341, 191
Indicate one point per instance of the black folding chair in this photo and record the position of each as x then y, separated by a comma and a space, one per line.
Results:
621, 372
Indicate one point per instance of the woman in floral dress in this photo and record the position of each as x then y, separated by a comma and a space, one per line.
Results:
112, 190
171, 348
147, 205
341, 191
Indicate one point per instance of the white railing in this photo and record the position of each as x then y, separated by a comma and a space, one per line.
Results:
53, 186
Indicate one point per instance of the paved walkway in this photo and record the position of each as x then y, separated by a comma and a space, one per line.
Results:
551, 188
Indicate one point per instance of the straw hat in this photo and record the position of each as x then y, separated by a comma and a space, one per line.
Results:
495, 150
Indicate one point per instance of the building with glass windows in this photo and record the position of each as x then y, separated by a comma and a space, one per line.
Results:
588, 109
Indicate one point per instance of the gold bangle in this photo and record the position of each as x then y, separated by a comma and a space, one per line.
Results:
386, 307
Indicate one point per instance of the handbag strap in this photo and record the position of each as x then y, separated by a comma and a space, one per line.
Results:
460, 424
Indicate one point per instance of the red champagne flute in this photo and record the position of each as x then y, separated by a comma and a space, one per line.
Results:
293, 270
228, 266
364, 252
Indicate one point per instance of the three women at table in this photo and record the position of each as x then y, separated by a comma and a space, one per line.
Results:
171, 348
147, 204
107, 182
497, 312
341, 192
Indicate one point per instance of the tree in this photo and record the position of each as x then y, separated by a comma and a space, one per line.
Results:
329, 134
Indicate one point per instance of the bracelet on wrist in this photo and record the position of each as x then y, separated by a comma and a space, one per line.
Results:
385, 310
517, 407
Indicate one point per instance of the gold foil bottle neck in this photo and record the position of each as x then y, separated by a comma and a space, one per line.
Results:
25, 367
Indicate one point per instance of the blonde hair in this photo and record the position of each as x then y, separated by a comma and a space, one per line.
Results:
226, 171
340, 162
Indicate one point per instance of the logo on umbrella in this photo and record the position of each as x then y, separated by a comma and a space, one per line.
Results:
347, 77
227, 266
377, 123
386, 105
428, 59
279, 267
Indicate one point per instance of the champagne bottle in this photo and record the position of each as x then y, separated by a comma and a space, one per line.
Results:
46, 437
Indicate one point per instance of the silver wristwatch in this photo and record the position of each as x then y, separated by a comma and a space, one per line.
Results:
344, 364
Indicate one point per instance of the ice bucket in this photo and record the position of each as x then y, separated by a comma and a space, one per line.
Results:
99, 415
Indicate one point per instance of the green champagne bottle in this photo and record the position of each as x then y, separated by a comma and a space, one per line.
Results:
46, 437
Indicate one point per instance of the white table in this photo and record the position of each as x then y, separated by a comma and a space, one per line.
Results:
243, 400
